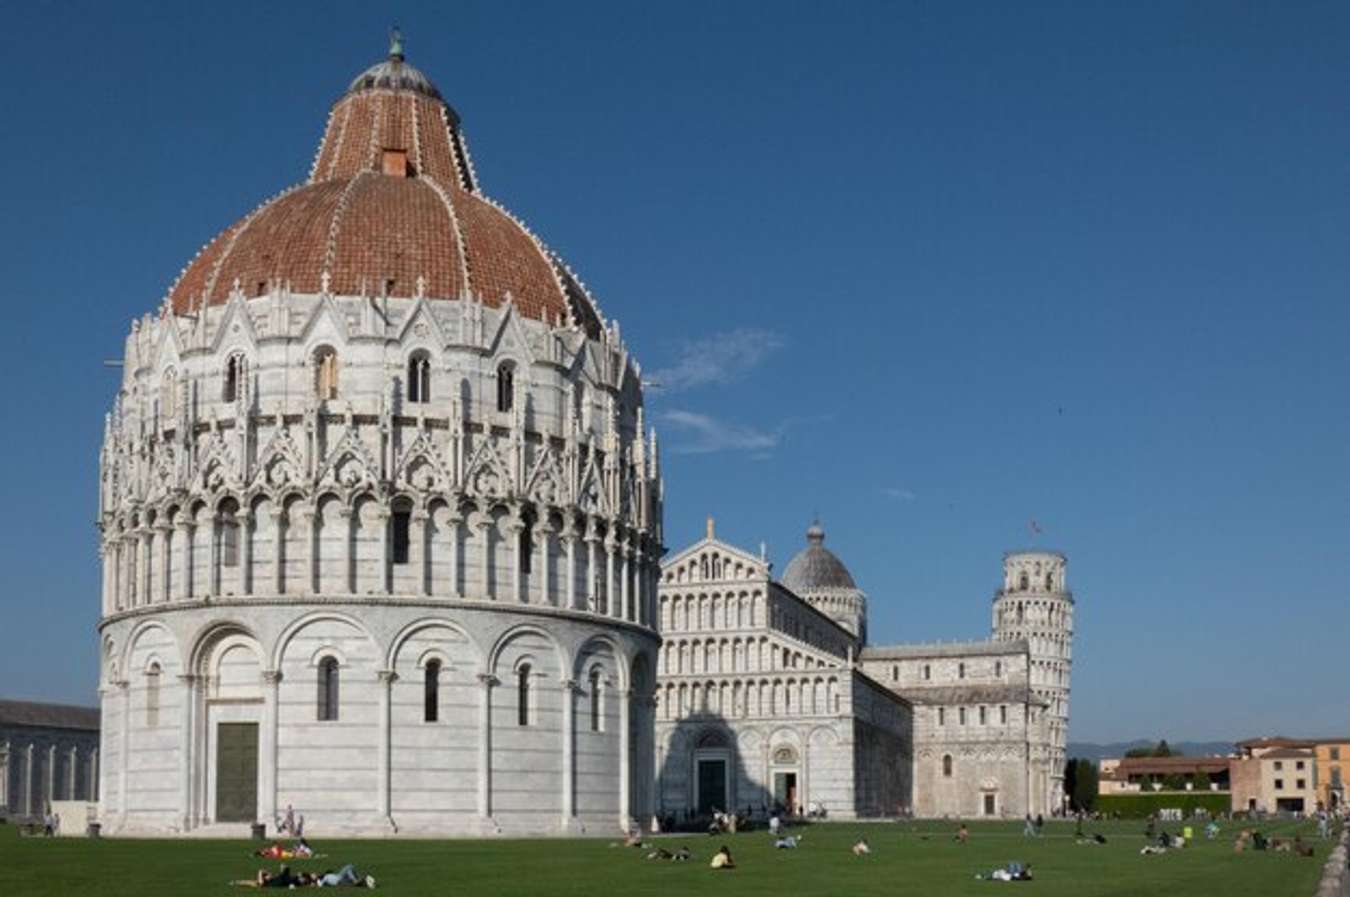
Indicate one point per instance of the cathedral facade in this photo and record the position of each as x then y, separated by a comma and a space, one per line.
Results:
768, 695
380, 523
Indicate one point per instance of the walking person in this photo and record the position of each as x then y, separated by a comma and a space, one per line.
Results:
1029, 830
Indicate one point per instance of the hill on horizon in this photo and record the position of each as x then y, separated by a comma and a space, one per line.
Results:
1095, 752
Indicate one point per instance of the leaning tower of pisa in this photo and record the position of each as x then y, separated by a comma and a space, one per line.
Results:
1035, 605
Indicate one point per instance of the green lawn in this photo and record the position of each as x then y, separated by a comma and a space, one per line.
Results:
918, 859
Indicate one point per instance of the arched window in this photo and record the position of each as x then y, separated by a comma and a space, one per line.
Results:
1049, 582
961, 714
431, 691
895, 672
960, 671
942, 716
152, 696
326, 373
328, 689
927, 672
982, 715
1023, 583
400, 534
998, 669
947, 766
168, 393
419, 378
506, 386
597, 702
523, 695
234, 378
229, 535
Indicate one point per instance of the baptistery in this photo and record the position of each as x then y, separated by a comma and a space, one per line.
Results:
380, 522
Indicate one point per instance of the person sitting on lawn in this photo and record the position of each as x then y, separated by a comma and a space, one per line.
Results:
302, 850
632, 838
682, 855
775, 825
722, 859
962, 834
861, 848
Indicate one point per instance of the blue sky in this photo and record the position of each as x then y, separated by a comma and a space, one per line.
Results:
930, 270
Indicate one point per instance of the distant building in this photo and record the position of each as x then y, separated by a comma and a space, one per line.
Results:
1275, 775
768, 693
1133, 774
48, 752
1330, 781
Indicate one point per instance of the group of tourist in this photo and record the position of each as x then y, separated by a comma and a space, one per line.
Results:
285, 877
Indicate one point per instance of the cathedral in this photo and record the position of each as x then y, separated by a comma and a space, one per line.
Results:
381, 533
769, 696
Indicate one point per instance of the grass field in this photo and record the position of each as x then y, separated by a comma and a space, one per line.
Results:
908, 858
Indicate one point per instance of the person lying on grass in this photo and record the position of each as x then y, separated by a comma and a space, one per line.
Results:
788, 843
346, 876
1014, 871
282, 878
722, 859
861, 848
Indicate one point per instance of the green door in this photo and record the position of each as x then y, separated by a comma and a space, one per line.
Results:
712, 786
236, 772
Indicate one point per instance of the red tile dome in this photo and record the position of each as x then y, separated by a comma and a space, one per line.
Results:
392, 207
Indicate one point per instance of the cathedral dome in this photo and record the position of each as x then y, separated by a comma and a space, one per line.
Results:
392, 207
815, 567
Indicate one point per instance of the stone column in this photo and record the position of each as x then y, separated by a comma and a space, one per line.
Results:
592, 581
348, 528
625, 760
485, 681
545, 532
569, 747
28, 782
186, 748
386, 565
611, 604
123, 755
625, 592
213, 571
569, 540
244, 556
145, 545
51, 774
165, 561
105, 556
280, 524
418, 556
384, 760
267, 745
72, 767
515, 526
309, 520
455, 559
484, 524
186, 532
804, 797
93, 776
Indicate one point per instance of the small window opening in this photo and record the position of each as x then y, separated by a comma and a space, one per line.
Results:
523, 696
419, 379
597, 722
234, 375
152, 696
947, 766
431, 691
402, 538
506, 387
229, 540
328, 689
326, 374
527, 548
